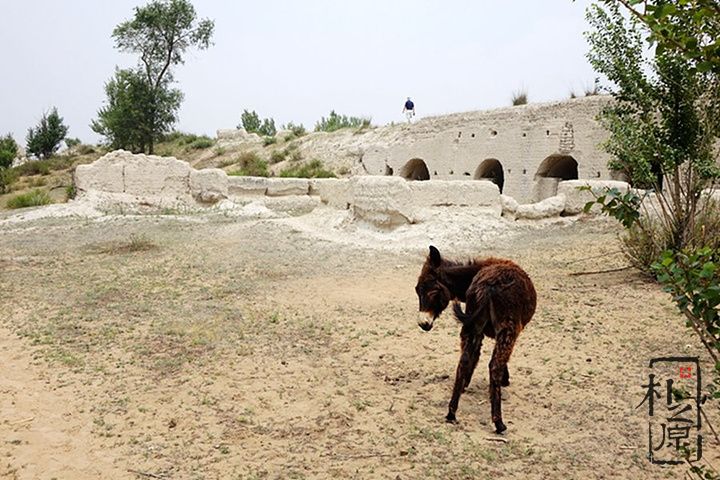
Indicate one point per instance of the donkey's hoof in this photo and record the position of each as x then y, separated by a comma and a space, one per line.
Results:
500, 427
450, 418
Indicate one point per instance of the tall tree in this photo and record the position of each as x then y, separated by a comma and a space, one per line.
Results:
160, 33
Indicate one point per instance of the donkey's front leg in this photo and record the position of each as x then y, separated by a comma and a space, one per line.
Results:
468, 345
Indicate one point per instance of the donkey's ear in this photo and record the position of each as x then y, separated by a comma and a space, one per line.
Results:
435, 259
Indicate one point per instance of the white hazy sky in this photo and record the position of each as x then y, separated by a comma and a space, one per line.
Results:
295, 60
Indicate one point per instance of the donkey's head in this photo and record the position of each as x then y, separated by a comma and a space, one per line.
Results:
434, 296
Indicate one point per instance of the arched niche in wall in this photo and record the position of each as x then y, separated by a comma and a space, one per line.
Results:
564, 167
550, 173
415, 169
491, 169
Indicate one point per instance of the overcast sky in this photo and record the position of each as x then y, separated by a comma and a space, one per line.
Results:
295, 60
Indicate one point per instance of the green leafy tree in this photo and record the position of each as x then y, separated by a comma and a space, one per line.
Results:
127, 121
690, 27
252, 123
45, 138
160, 33
662, 124
8, 150
268, 128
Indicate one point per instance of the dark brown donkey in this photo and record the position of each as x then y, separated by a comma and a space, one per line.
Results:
499, 301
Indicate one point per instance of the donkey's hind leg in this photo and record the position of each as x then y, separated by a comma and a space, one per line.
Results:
504, 343
475, 354
474, 358
505, 378
469, 343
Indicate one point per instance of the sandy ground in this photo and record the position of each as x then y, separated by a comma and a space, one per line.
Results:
203, 347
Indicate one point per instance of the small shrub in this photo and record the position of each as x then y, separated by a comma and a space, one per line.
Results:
519, 98
251, 165
278, 156
295, 155
201, 143
312, 169
290, 152
219, 151
85, 149
33, 167
226, 163
30, 199
72, 142
296, 130
269, 141
70, 192
336, 122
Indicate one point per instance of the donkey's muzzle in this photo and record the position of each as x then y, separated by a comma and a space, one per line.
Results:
425, 325
425, 322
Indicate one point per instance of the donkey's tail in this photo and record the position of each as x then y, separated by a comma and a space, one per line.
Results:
462, 317
473, 318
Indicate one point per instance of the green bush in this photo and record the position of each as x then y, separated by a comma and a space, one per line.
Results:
70, 192
336, 122
30, 199
312, 169
250, 164
7, 178
8, 150
296, 130
269, 141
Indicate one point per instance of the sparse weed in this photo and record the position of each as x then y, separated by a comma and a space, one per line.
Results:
519, 97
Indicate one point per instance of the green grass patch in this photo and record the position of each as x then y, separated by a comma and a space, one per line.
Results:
250, 164
33, 167
312, 169
30, 199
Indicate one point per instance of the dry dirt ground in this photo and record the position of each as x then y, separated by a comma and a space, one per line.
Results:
204, 347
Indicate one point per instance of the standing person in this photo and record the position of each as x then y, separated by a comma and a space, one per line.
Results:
409, 109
